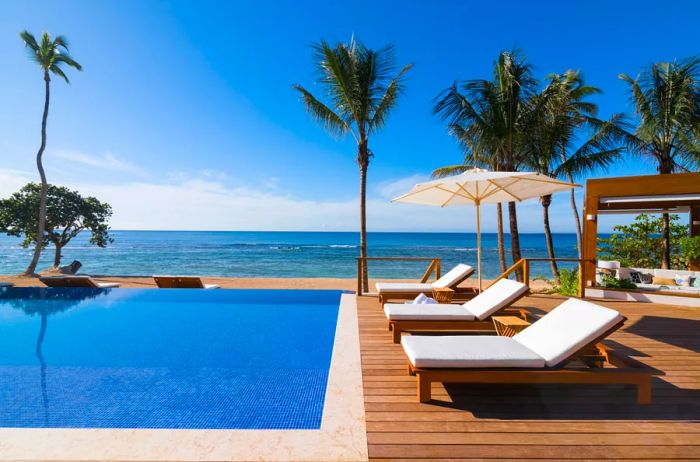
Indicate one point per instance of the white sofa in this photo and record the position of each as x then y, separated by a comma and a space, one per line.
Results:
626, 273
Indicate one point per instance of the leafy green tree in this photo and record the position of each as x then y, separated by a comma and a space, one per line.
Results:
666, 97
487, 117
639, 245
50, 55
67, 215
361, 87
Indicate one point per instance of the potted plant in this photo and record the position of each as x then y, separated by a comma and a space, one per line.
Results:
690, 248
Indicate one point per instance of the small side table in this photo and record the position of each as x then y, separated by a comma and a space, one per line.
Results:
443, 294
508, 326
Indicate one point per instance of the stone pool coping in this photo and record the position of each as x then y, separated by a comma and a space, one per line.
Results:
342, 436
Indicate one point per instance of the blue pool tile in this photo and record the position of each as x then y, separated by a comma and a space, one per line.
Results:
73, 358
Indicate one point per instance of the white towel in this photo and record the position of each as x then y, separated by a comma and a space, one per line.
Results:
422, 299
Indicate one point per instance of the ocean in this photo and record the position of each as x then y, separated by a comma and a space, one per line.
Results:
280, 254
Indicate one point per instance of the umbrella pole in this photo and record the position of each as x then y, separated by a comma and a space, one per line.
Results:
478, 240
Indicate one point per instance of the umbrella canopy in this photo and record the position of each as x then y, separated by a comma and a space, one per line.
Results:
477, 186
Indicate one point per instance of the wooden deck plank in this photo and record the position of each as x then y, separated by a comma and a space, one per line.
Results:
533, 422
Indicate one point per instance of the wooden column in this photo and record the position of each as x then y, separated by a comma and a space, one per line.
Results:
695, 220
590, 237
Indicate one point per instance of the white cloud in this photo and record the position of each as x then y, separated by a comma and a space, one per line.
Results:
201, 202
13, 180
106, 161
391, 189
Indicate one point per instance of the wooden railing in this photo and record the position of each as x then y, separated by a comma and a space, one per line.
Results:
433, 267
523, 267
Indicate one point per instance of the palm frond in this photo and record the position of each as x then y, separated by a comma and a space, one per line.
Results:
323, 114
388, 100
59, 72
450, 170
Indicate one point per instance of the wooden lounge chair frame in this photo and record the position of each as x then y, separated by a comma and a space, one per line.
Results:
75, 281
396, 327
179, 282
469, 291
593, 356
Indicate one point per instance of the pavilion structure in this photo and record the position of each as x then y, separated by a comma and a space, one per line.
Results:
674, 193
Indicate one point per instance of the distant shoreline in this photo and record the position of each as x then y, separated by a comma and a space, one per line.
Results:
131, 282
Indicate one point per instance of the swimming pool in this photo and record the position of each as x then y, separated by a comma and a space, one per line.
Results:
165, 359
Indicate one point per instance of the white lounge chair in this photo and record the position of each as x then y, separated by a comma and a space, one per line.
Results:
473, 315
182, 282
404, 290
542, 353
77, 281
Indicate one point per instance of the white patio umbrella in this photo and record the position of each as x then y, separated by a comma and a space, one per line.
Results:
477, 186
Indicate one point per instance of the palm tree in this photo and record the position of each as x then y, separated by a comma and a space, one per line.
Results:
488, 116
50, 55
361, 88
666, 97
559, 117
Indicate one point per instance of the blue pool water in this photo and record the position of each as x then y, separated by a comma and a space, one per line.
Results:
131, 358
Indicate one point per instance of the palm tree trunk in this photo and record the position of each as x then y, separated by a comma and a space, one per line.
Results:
501, 240
363, 160
546, 201
514, 236
31, 269
666, 167
42, 363
57, 256
577, 218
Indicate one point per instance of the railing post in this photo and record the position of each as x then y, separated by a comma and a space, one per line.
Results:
359, 276
581, 288
437, 269
428, 272
526, 272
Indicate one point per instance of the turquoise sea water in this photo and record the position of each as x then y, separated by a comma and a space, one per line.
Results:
278, 254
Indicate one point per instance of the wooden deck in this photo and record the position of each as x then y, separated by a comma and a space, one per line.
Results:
544, 422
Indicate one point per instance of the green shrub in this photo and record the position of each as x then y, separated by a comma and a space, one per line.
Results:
568, 282
690, 249
640, 244
611, 282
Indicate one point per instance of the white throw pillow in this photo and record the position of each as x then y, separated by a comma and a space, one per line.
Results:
683, 280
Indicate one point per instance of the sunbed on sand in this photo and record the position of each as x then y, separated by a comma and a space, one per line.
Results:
182, 282
77, 281
474, 315
562, 347
404, 290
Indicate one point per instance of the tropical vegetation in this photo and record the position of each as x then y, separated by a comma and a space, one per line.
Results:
51, 55
488, 118
512, 121
690, 250
360, 88
666, 97
640, 244
67, 215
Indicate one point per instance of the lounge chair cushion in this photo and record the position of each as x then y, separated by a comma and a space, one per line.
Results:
468, 352
566, 329
211, 286
107, 285
426, 312
454, 276
496, 297
403, 287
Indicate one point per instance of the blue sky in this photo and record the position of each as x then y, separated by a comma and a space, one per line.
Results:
184, 116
